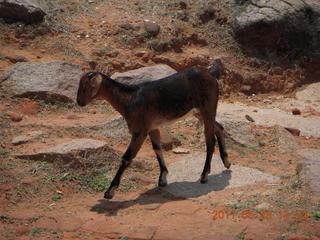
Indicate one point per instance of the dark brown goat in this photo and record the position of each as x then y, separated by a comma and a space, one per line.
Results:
148, 105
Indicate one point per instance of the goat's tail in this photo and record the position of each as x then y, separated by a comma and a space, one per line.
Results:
215, 69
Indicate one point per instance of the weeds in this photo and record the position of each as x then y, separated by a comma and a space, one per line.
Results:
242, 235
99, 182
36, 231
5, 219
3, 153
56, 197
34, 219
316, 216
66, 48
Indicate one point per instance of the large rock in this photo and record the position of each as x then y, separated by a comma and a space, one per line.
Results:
269, 117
280, 25
309, 172
27, 11
237, 131
27, 137
183, 177
51, 81
144, 74
287, 143
73, 153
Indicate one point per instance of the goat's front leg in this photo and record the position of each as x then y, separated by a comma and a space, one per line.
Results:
210, 142
136, 141
156, 145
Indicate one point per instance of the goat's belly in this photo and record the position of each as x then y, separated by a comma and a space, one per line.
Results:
162, 120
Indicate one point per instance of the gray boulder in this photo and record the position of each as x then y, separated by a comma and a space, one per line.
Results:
74, 153
144, 74
280, 25
152, 27
237, 131
51, 81
309, 171
27, 11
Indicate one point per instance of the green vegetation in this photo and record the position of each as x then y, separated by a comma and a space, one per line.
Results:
99, 182
56, 197
3, 153
316, 215
67, 48
5, 219
34, 219
242, 235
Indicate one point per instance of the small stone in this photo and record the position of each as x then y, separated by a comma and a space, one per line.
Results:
296, 111
141, 53
15, 117
249, 118
181, 150
152, 27
293, 131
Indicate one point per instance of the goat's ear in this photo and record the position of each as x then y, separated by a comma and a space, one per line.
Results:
95, 84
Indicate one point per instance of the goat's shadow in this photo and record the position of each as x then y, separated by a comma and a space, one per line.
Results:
175, 191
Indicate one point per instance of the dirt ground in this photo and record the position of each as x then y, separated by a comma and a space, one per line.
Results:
47, 200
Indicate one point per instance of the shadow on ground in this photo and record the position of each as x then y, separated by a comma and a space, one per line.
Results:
176, 191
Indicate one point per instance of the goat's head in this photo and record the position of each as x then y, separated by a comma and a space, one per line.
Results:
89, 87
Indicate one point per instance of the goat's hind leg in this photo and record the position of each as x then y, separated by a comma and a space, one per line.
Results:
136, 141
219, 132
210, 142
156, 145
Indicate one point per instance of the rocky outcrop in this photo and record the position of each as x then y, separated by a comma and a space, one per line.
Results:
27, 11
51, 81
309, 172
75, 153
144, 74
291, 26
237, 131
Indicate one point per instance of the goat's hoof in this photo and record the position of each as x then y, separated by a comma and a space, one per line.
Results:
162, 183
204, 179
109, 193
227, 165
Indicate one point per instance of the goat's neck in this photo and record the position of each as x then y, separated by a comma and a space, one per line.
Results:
115, 94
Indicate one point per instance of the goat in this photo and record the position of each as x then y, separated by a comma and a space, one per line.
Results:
148, 105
